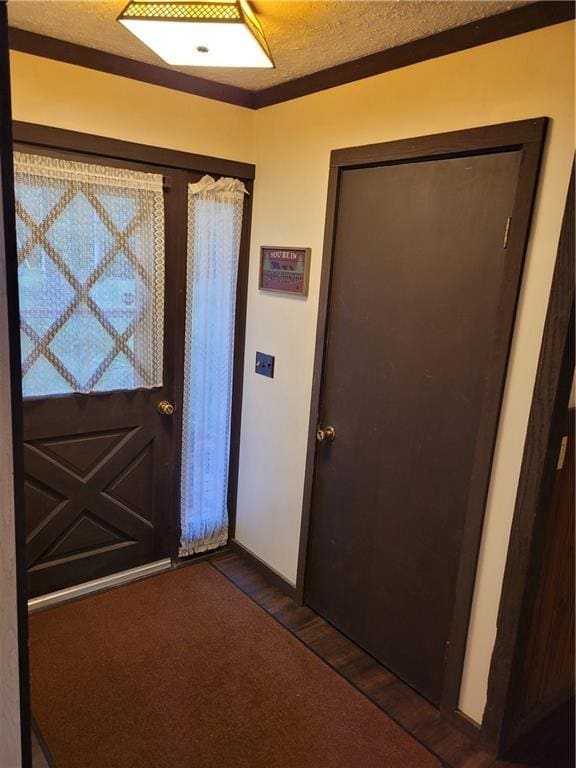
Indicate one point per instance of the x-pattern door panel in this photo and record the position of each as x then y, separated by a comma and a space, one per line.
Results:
93, 495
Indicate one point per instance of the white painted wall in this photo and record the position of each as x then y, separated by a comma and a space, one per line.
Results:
522, 77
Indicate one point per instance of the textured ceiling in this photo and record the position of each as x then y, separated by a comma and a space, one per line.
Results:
304, 36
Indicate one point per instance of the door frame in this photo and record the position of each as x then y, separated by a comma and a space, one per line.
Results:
546, 426
87, 147
527, 136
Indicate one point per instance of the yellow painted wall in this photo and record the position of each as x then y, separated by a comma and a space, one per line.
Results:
65, 96
521, 77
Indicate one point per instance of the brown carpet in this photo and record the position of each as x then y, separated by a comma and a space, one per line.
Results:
183, 670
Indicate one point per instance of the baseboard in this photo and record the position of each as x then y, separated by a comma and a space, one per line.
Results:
271, 576
98, 585
539, 715
463, 723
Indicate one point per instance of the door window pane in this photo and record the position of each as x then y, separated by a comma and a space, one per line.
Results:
91, 276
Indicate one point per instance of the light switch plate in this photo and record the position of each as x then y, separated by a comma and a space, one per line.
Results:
265, 364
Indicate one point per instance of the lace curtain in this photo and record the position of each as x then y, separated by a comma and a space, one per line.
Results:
214, 226
91, 276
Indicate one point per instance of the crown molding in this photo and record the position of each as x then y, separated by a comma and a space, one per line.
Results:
515, 22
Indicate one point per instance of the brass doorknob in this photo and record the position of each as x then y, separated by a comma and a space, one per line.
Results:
165, 408
325, 434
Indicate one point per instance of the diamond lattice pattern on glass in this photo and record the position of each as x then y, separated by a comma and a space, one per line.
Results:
91, 276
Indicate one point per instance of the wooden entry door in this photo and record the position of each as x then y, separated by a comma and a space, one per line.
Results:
424, 280
97, 486
97, 361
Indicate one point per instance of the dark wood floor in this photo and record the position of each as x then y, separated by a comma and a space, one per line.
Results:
399, 701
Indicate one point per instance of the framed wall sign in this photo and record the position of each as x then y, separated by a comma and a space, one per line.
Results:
283, 269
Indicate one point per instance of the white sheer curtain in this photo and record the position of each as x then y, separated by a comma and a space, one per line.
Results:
214, 226
91, 276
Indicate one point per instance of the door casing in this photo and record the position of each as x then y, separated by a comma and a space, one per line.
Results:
502, 725
528, 137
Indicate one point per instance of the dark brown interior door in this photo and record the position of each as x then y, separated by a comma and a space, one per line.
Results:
98, 464
419, 255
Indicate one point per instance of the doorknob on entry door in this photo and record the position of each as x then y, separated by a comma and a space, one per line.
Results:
165, 408
325, 434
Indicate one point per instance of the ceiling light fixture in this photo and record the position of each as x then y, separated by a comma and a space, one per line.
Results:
222, 34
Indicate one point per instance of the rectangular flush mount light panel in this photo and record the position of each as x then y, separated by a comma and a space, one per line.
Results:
222, 34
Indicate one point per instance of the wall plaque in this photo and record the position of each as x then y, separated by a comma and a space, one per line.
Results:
283, 269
